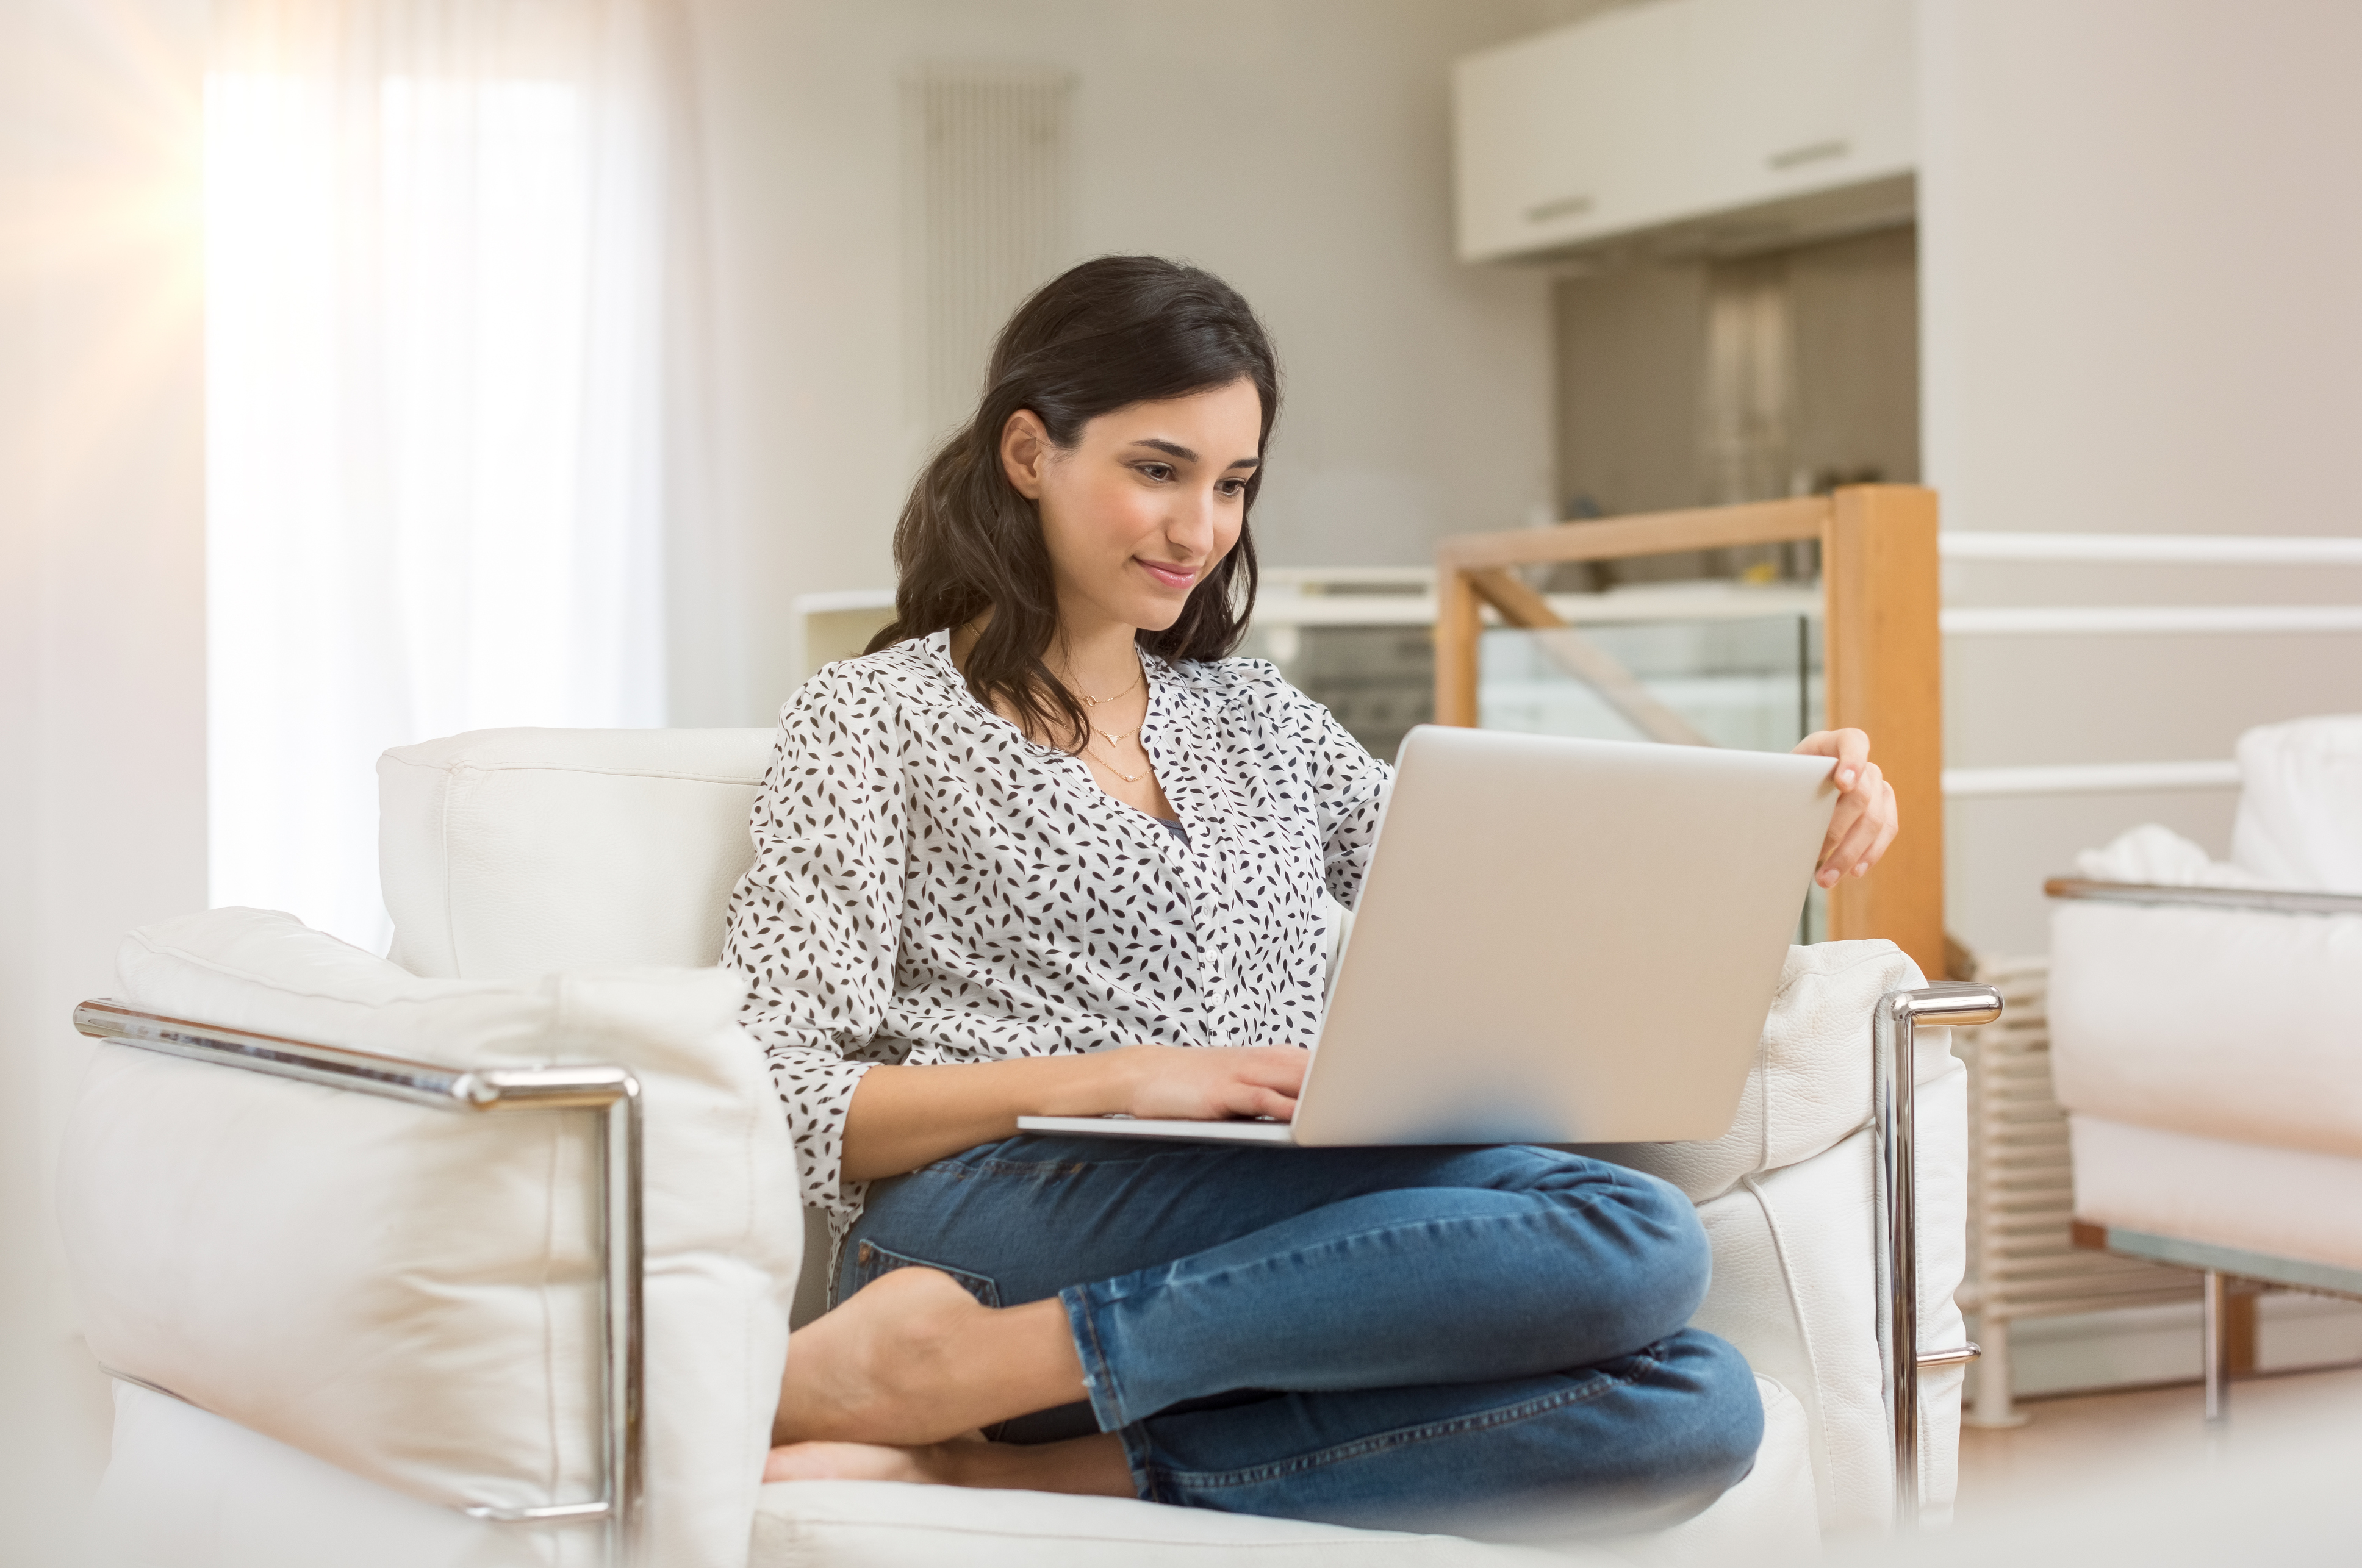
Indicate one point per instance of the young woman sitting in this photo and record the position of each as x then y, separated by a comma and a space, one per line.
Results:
1046, 849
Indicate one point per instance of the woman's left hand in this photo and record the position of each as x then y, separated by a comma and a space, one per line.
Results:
1865, 820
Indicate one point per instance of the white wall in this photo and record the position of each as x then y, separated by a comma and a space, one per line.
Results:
1299, 147
2139, 252
101, 643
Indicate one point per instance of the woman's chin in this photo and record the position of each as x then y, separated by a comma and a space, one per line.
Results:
1158, 614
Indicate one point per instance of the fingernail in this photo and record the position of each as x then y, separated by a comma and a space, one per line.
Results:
1844, 776
1862, 869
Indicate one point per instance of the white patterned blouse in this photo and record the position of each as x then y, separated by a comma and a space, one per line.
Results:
928, 886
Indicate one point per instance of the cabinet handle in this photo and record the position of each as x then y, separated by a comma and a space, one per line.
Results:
1565, 207
1811, 152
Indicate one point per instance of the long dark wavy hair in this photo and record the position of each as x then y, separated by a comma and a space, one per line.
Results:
1108, 334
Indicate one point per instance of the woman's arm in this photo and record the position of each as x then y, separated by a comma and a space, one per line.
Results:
1348, 786
902, 1118
814, 923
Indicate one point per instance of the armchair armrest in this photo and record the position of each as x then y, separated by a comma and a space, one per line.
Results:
2280, 900
1891, 1098
610, 1093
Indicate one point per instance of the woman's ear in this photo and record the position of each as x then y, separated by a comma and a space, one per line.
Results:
1025, 448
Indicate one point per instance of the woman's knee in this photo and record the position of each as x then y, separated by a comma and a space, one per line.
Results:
1669, 1260
1717, 1422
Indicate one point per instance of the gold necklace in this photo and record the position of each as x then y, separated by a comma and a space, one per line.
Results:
1113, 740
1102, 702
1111, 768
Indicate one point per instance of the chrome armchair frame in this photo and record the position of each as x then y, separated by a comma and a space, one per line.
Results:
612, 1094
1894, 1108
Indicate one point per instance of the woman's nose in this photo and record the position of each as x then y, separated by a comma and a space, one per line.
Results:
1191, 527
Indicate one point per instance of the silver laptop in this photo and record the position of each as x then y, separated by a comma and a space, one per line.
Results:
1557, 942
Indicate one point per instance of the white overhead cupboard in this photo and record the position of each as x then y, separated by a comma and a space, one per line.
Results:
1716, 125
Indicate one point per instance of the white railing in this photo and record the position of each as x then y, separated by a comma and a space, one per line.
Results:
2135, 620
2091, 779
2155, 549
1295, 597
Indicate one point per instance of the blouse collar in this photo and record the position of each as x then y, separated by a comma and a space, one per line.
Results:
1158, 672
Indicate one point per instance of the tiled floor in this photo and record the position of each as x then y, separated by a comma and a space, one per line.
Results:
2097, 1434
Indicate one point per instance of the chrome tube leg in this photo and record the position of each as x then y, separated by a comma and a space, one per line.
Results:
1892, 1082
621, 1265
1892, 1087
2218, 1350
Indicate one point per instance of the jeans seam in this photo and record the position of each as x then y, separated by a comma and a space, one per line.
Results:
1397, 1229
1401, 1437
1036, 1167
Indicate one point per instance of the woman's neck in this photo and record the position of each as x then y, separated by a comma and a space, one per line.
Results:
1101, 661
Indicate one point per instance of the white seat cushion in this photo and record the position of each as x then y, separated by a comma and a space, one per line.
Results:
409, 1293
2281, 1202
187, 1489
867, 1524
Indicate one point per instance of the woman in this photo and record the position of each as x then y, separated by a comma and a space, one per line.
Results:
1034, 853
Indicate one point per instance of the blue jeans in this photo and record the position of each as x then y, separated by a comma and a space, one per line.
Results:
1484, 1339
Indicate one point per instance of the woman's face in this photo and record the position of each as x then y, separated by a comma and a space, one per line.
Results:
1144, 504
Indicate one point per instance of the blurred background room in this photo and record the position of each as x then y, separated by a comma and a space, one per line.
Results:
372, 370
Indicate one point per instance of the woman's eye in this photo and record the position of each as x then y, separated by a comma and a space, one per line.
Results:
1232, 487
1160, 472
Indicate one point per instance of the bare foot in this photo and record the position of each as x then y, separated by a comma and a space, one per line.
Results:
1092, 1465
912, 1359
851, 1462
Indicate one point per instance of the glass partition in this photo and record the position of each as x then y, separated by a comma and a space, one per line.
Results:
1753, 684
1740, 666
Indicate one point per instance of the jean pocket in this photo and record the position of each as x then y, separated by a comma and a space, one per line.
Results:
870, 1260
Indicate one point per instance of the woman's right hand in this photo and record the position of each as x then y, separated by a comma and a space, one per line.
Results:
1212, 1083
902, 1118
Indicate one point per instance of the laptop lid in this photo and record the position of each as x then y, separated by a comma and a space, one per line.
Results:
1564, 941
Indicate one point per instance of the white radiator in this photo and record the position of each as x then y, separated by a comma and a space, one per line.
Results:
2022, 1260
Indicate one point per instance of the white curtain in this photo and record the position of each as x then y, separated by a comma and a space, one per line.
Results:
446, 349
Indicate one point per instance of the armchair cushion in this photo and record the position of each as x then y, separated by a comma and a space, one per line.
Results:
409, 1293
2227, 1023
513, 853
2300, 821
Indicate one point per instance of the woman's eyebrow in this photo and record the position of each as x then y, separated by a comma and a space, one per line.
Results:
1174, 449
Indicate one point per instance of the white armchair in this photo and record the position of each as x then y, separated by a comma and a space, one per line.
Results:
523, 1297
2206, 1035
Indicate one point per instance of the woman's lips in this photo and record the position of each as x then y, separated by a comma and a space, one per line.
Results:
1170, 575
